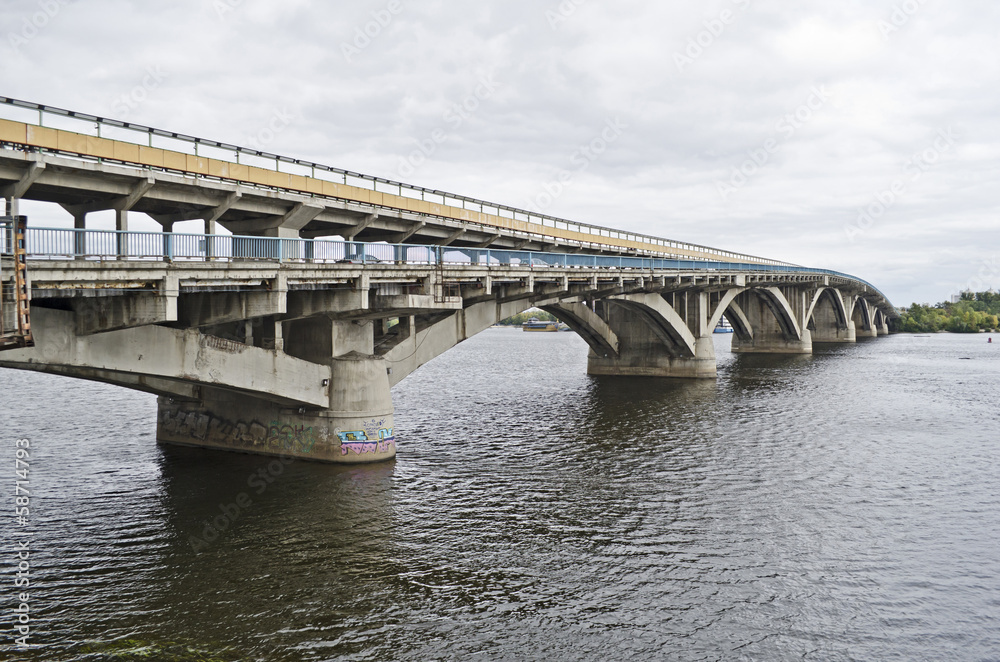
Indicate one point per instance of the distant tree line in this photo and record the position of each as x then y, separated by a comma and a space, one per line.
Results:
970, 314
521, 318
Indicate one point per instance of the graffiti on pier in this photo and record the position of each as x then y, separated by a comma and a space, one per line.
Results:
194, 427
374, 437
286, 437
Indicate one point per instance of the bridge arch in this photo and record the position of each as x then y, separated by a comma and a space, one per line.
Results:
742, 329
861, 314
776, 316
829, 320
661, 318
588, 325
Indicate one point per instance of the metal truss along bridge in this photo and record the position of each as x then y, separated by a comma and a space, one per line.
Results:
266, 338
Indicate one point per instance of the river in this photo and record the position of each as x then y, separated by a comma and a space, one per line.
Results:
839, 506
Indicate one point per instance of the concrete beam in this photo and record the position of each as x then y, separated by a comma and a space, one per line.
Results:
18, 189
120, 204
450, 238
351, 233
486, 244
215, 213
179, 389
300, 215
102, 314
409, 233
161, 352
208, 309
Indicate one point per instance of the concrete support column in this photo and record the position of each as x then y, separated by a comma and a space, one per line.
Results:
168, 241
286, 250
211, 229
121, 225
80, 237
12, 207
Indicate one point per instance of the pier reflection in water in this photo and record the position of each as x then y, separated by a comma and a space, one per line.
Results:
840, 505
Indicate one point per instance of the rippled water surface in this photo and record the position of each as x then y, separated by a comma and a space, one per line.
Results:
831, 507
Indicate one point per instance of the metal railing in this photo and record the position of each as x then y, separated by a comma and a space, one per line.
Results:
113, 245
60, 118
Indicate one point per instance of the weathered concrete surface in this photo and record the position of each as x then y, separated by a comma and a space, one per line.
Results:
183, 355
244, 424
777, 316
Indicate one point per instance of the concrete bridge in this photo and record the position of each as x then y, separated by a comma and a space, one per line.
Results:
265, 338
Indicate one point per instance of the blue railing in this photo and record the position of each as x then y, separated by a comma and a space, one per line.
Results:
72, 244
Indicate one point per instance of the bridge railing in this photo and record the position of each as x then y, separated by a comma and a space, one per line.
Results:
59, 118
113, 245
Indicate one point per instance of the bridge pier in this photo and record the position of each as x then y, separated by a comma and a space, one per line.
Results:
653, 340
777, 319
357, 428
829, 321
638, 357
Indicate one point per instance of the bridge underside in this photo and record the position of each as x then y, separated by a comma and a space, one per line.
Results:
299, 359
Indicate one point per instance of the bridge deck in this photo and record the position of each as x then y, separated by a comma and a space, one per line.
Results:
362, 200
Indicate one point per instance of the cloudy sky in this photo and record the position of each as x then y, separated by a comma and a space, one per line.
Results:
856, 136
